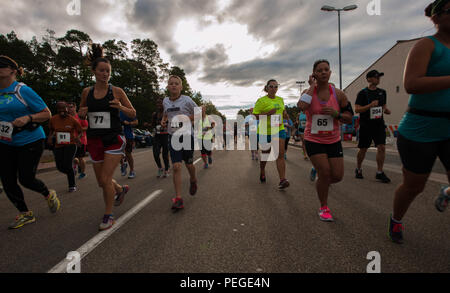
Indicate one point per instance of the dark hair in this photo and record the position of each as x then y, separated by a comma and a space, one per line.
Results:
267, 84
318, 62
435, 8
95, 56
11, 64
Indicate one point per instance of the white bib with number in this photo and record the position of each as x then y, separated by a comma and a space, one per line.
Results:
376, 112
322, 124
63, 137
6, 130
276, 120
99, 120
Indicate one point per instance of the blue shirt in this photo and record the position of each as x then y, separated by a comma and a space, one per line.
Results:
11, 109
302, 118
430, 129
288, 129
127, 129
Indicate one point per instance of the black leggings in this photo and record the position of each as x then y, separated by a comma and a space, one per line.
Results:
64, 161
21, 161
161, 141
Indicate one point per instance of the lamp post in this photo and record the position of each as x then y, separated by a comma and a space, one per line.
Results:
300, 83
346, 8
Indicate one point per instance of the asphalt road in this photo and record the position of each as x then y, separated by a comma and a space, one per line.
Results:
234, 224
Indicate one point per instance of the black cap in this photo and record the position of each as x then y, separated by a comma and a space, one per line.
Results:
374, 73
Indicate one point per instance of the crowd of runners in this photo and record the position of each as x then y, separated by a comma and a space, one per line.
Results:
103, 127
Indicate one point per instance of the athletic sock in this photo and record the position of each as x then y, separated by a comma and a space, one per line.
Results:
395, 221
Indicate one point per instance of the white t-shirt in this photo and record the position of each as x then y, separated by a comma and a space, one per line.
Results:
184, 105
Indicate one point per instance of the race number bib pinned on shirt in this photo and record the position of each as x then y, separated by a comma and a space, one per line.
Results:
322, 124
376, 113
6, 130
99, 120
276, 120
63, 138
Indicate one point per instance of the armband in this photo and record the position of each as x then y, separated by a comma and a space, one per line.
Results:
306, 98
348, 108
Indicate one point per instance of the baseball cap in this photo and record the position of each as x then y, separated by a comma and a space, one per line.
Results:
374, 73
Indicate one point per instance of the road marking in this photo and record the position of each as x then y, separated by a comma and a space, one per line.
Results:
102, 236
198, 160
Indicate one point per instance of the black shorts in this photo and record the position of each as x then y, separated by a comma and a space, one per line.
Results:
205, 145
185, 154
129, 146
369, 133
81, 151
332, 150
419, 157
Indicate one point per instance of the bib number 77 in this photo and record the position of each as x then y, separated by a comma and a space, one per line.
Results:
99, 120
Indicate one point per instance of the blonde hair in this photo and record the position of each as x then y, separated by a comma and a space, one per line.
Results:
177, 77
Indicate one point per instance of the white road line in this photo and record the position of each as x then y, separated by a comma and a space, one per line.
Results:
102, 236
198, 160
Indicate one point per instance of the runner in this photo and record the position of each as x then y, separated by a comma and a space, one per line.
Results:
205, 139
325, 107
424, 130
253, 135
160, 141
301, 130
288, 126
371, 104
272, 105
174, 106
102, 104
67, 133
21, 141
81, 148
128, 124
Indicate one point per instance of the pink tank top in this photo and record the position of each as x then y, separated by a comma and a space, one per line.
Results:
321, 128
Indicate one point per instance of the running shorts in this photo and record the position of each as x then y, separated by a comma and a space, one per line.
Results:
367, 134
97, 148
185, 154
332, 150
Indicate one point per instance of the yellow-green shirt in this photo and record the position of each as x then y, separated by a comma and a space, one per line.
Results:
206, 135
264, 105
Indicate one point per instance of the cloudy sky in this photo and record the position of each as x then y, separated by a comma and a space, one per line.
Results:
230, 48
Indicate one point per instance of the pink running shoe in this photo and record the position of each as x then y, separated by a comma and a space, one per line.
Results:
325, 214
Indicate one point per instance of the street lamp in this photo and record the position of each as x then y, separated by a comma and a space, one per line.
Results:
301, 83
346, 8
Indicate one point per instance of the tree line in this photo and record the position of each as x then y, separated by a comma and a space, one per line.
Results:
57, 69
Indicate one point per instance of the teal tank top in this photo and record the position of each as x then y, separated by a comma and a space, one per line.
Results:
430, 129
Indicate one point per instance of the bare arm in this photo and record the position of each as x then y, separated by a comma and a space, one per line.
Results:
415, 79
122, 103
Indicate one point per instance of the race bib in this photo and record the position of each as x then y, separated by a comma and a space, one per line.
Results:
276, 120
322, 124
63, 138
376, 113
99, 120
6, 130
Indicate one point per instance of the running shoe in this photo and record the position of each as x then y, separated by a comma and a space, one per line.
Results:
312, 175
82, 175
205, 166
73, 189
382, 177
22, 219
160, 173
358, 174
166, 173
121, 195
132, 175
283, 184
193, 188
107, 222
395, 231
441, 202
123, 169
53, 202
177, 203
262, 178
325, 214
210, 160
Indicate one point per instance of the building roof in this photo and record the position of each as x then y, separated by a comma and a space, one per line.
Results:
396, 44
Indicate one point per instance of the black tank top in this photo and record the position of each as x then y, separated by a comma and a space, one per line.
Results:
98, 112
157, 123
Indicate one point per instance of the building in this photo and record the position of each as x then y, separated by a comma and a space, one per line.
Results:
392, 64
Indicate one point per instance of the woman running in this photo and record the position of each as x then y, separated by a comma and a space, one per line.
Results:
289, 127
67, 131
161, 140
21, 141
177, 107
424, 132
272, 107
205, 139
102, 104
325, 108
301, 131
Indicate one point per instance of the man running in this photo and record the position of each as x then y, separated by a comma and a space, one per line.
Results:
371, 104
128, 124
81, 148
